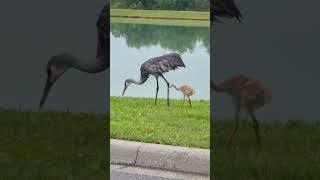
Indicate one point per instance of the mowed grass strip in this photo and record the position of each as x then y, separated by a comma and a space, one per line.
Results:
53, 145
190, 23
138, 119
160, 14
289, 151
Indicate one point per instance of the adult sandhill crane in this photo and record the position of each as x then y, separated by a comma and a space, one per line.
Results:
59, 64
186, 90
224, 8
157, 67
246, 92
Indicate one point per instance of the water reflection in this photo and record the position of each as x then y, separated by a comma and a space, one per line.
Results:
173, 38
133, 44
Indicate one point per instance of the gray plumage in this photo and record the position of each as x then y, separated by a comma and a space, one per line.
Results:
224, 8
59, 64
157, 67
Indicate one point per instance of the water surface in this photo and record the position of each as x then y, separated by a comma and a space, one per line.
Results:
133, 44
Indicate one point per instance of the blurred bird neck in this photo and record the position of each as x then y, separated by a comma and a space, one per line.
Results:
95, 65
218, 88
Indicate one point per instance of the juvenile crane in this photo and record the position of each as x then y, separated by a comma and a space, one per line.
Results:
157, 67
186, 90
59, 64
246, 92
224, 8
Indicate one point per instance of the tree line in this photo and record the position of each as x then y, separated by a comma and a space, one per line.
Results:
174, 38
178, 5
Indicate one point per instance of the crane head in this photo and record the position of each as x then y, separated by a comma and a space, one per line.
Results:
126, 85
53, 73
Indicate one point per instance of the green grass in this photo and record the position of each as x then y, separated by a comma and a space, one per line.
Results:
190, 23
53, 145
161, 17
138, 119
194, 15
289, 151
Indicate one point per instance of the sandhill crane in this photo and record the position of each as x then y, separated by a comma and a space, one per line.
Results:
246, 92
156, 67
186, 90
59, 64
224, 8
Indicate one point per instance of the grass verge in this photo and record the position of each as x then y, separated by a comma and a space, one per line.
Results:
289, 151
53, 145
161, 14
189, 23
138, 119
161, 17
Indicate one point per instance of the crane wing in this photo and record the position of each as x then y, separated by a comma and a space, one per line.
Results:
162, 64
225, 8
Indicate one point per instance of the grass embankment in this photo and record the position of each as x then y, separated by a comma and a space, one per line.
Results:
52, 145
138, 119
289, 151
161, 17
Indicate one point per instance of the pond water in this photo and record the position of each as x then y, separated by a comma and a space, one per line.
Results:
133, 44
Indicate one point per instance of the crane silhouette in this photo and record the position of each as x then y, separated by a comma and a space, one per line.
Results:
157, 67
247, 93
224, 8
186, 90
59, 64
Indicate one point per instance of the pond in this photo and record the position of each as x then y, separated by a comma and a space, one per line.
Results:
133, 44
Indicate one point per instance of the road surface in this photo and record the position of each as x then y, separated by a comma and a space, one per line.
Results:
119, 172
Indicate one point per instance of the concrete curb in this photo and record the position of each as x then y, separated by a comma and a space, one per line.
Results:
175, 158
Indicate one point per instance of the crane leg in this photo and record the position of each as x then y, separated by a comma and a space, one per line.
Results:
255, 126
155, 103
237, 102
168, 85
189, 101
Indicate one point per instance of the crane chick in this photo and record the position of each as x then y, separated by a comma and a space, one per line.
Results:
186, 90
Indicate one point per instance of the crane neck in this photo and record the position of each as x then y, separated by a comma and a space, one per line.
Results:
91, 65
218, 88
178, 89
142, 80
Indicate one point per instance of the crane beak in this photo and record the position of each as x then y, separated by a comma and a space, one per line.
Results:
125, 88
45, 92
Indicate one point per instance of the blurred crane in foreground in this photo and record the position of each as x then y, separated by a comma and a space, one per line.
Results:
247, 93
59, 64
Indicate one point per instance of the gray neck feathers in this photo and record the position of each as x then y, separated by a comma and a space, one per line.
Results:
141, 81
95, 65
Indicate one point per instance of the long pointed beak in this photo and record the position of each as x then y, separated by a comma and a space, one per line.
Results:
45, 93
124, 90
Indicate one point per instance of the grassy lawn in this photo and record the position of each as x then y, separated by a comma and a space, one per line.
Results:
192, 15
289, 151
138, 119
53, 145
161, 17
190, 23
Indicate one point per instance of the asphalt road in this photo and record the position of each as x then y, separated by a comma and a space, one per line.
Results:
136, 173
